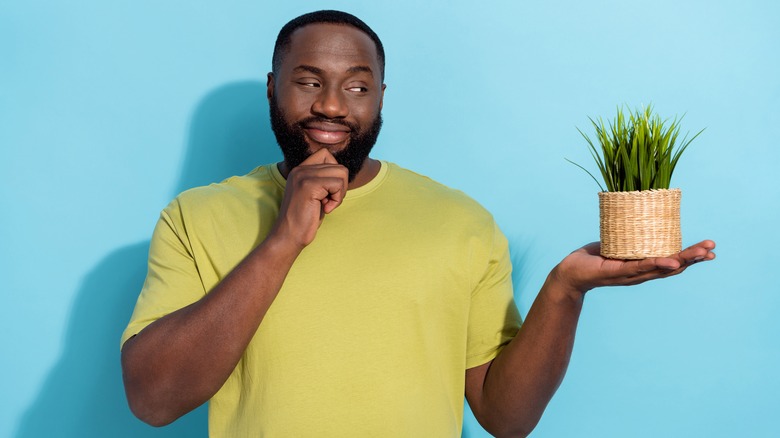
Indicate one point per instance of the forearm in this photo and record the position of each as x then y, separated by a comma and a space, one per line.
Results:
510, 395
523, 378
181, 360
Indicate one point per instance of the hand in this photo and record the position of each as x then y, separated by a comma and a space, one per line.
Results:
585, 268
314, 188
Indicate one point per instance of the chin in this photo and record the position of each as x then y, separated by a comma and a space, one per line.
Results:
332, 148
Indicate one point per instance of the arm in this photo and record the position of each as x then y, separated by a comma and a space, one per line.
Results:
509, 394
181, 360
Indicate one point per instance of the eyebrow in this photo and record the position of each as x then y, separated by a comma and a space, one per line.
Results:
308, 68
361, 68
319, 71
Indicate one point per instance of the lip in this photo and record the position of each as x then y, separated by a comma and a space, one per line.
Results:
326, 133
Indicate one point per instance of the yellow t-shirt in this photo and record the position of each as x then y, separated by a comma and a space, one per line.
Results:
407, 285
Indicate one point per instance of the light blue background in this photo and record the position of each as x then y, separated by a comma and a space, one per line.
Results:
108, 109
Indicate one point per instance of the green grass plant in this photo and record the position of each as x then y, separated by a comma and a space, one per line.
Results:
637, 150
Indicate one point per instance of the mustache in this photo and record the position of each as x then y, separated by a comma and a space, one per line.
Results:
315, 119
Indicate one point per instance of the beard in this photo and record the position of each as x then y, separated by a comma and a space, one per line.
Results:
292, 140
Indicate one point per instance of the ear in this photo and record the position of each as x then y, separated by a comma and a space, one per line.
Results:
269, 92
382, 97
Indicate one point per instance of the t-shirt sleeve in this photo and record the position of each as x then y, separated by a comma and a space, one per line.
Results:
493, 316
172, 279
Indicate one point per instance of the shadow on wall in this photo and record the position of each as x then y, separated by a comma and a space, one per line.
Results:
83, 395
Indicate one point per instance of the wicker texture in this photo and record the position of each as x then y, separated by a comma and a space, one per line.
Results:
640, 224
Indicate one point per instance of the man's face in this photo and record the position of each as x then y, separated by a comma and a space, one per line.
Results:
327, 94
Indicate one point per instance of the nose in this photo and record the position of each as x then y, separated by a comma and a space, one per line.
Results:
330, 103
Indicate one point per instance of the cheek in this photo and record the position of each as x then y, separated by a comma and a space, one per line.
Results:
367, 111
294, 104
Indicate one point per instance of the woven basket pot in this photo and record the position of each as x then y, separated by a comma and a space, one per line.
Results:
640, 224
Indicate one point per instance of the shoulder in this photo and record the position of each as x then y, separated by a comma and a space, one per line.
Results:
234, 190
427, 191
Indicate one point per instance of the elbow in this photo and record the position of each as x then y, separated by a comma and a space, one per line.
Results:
521, 433
509, 426
146, 406
159, 420
155, 420
149, 415
144, 398
515, 431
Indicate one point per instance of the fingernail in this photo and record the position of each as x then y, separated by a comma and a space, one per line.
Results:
698, 259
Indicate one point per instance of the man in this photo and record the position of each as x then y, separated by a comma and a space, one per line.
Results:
337, 295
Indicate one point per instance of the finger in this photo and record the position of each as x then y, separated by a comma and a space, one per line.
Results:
669, 263
695, 253
659, 273
709, 245
593, 248
670, 266
321, 170
336, 191
657, 264
702, 251
334, 199
337, 196
322, 156
323, 187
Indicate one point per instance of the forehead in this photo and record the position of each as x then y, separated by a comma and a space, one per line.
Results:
325, 43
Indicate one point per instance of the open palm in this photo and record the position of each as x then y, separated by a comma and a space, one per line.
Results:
585, 268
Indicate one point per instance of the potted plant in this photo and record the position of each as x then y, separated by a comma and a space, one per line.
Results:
636, 154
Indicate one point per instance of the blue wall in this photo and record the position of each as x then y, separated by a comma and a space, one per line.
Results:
108, 109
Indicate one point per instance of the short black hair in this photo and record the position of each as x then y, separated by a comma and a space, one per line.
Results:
326, 16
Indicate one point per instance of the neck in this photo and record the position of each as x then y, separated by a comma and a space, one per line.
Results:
367, 172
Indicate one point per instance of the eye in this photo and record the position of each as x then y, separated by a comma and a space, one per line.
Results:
358, 89
307, 82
